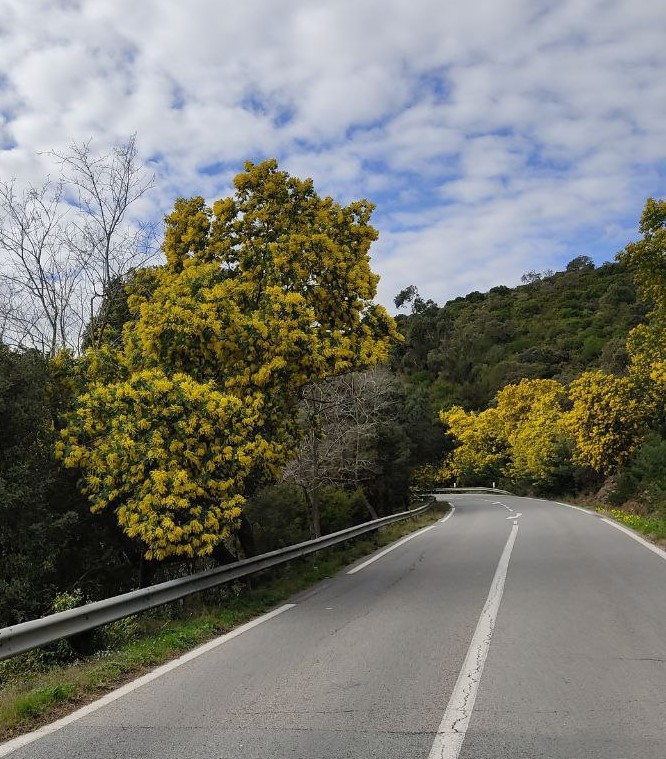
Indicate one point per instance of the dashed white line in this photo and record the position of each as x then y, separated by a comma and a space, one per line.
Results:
453, 728
24, 740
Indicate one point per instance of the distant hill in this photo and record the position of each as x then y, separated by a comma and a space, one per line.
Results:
555, 325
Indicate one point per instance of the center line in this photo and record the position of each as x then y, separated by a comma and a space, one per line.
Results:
453, 728
499, 503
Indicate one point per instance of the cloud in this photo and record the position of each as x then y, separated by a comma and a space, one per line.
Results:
495, 138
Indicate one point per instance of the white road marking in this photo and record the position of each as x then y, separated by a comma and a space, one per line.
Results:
449, 515
516, 515
499, 503
389, 549
453, 728
655, 549
569, 506
24, 740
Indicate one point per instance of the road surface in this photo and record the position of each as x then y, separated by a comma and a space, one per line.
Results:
516, 628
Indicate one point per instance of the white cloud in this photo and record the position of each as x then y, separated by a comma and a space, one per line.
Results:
495, 137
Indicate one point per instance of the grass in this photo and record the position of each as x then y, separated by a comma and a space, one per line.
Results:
653, 527
36, 687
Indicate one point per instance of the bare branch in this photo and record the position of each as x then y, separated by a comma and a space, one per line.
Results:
63, 243
340, 418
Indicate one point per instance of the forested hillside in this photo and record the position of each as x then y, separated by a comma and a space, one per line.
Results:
556, 325
556, 386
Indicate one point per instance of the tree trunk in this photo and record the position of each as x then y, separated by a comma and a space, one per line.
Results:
222, 555
371, 510
246, 537
312, 499
146, 572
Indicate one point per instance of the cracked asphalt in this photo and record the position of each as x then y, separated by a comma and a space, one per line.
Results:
364, 665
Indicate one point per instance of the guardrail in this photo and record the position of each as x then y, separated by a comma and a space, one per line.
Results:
38, 632
470, 490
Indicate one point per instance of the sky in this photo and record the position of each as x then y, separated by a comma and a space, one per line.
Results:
495, 138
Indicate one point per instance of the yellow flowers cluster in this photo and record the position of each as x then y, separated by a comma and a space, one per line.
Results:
521, 437
607, 419
599, 421
538, 425
166, 453
261, 294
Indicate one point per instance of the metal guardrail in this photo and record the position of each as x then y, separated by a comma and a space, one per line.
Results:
469, 490
38, 632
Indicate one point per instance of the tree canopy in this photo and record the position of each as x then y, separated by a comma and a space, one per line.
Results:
265, 292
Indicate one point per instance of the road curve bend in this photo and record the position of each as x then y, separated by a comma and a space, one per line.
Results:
516, 628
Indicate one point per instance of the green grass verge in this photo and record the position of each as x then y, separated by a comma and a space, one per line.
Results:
652, 527
35, 689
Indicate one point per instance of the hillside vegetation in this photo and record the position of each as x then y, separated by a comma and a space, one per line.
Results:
554, 326
556, 386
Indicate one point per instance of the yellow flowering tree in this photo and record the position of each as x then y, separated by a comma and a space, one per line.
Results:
532, 417
165, 453
261, 293
647, 257
607, 419
646, 343
482, 451
521, 437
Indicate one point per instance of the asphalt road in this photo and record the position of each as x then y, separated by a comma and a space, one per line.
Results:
489, 635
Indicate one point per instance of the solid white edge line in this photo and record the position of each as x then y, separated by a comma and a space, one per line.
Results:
569, 506
650, 546
399, 543
453, 728
23, 740
449, 515
389, 549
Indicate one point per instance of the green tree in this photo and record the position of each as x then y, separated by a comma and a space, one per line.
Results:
48, 542
263, 293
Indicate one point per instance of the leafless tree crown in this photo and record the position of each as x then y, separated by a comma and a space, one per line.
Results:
63, 243
340, 418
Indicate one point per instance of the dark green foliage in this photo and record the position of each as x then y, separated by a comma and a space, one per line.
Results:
49, 541
388, 489
580, 263
644, 477
556, 326
279, 515
342, 508
106, 326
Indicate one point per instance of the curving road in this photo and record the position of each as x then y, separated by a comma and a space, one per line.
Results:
516, 628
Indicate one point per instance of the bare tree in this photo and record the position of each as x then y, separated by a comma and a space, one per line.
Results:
62, 245
105, 186
38, 279
341, 417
